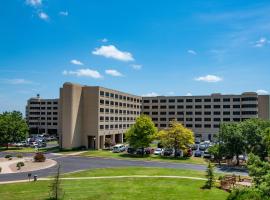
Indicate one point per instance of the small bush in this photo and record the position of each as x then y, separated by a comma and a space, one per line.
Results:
19, 155
19, 165
8, 156
39, 157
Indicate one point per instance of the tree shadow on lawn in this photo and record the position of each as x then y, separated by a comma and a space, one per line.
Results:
152, 157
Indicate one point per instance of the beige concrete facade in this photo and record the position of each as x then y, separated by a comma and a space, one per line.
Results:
42, 115
203, 114
89, 114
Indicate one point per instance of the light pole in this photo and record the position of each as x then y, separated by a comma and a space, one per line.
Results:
94, 142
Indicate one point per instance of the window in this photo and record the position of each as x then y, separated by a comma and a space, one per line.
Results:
207, 119
249, 106
226, 119
189, 107
207, 100
236, 106
207, 126
101, 110
154, 113
216, 119
198, 119
189, 125
101, 127
189, 100
101, 101
198, 113
216, 113
249, 112
163, 125
163, 107
146, 101
226, 113
226, 100
189, 113
189, 119
171, 100
180, 113
207, 113
249, 99
236, 113
107, 94
180, 100
101, 93
198, 100
216, 125
216, 100
154, 107
216, 106
163, 100
163, 119
180, 107
146, 107
198, 125
207, 106
236, 119
180, 119
226, 106
236, 99
171, 107
198, 106
171, 113
155, 119
163, 113
154, 101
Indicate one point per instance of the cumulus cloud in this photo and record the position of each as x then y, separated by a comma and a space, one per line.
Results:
84, 73
16, 81
110, 51
136, 66
63, 13
151, 94
76, 62
104, 40
261, 42
262, 92
190, 51
43, 16
113, 72
34, 3
188, 94
209, 78
171, 93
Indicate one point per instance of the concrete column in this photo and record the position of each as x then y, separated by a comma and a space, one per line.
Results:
121, 138
102, 141
113, 137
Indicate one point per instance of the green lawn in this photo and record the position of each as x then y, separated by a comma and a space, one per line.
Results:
108, 154
118, 189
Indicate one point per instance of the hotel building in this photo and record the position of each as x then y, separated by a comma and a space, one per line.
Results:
42, 115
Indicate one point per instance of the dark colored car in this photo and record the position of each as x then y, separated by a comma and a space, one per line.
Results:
198, 153
167, 152
131, 150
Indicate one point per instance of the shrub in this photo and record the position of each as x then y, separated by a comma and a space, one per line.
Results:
39, 157
19, 165
246, 194
210, 177
8, 156
19, 155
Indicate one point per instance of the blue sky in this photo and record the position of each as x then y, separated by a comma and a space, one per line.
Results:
152, 47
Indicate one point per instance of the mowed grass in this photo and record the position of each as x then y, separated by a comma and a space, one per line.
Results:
118, 189
109, 154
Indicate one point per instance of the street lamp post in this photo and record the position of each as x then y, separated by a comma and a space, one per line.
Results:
94, 142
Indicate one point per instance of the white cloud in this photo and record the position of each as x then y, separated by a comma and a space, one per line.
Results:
151, 94
190, 51
261, 42
34, 3
111, 51
113, 72
43, 16
209, 78
16, 81
104, 40
136, 66
188, 94
84, 73
76, 62
63, 13
171, 93
262, 92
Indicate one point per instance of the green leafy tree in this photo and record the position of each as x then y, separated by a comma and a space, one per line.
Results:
142, 133
232, 140
13, 127
210, 177
266, 139
176, 136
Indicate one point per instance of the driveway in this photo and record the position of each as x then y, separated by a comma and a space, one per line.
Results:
75, 163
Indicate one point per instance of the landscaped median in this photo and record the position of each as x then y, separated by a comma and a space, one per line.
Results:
151, 157
121, 183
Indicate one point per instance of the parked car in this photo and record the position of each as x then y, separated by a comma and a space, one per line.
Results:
131, 150
206, 154
202, 147
41, 144
158, 151
118, 148
197, 153
167, 152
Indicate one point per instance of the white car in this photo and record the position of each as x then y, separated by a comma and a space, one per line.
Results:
158, 151
118, 148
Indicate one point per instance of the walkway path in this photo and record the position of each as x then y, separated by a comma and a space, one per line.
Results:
108, 177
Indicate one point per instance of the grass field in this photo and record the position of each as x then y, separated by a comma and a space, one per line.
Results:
108, 154
118, 189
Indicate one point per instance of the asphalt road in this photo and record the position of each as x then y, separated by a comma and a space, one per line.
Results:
75, 163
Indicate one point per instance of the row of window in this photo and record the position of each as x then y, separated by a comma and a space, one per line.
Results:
205, 113
162, 119
200, 106
201, 100
43, 113
112, 119
115, 103
43, 103
107, 110
114, 126
119, 96
42, 123
43, 108
43, 118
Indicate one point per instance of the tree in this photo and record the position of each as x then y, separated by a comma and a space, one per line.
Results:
266, 139
176, 136
13, 127
142, 133
210, 177
55, 187
232, 140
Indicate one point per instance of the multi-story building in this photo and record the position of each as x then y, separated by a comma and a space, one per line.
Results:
89, 114
204, 114
42, 115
